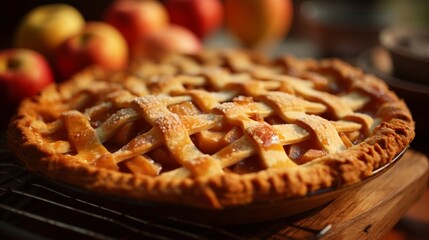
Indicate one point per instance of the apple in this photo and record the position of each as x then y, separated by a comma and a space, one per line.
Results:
258, 23
97, 44
201, 17
23, 73
45, 27
136, 18
172, 39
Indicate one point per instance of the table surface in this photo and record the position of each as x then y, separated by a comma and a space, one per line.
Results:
371, 210
414, 224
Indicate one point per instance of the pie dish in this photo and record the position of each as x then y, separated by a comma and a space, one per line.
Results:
213, 130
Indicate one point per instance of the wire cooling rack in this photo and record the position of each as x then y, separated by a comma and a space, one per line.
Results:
32, 207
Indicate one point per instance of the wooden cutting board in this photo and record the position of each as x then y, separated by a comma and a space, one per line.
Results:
366, 212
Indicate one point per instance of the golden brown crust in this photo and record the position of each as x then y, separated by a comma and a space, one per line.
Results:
384, 141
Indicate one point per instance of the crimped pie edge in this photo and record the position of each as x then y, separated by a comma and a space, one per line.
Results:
333, 170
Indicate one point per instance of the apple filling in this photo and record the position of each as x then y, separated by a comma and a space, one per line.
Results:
213, 129
112, 128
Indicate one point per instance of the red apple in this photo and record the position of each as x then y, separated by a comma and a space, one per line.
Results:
23, 73
98, 44
136, 18
173, 39
201, 17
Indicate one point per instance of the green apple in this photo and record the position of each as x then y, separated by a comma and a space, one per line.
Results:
44, 28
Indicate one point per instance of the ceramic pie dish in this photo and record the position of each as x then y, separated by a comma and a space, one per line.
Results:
215, 130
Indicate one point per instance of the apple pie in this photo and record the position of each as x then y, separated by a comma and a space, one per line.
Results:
216, 129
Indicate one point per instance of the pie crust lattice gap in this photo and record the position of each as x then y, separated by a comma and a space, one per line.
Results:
215, 129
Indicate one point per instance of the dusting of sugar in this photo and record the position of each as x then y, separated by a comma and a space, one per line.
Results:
242, 99
168, 122
226, 108
146, 99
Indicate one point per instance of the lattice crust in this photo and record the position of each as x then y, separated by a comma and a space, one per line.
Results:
216, 129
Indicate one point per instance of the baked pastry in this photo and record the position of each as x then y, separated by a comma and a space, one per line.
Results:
213, 130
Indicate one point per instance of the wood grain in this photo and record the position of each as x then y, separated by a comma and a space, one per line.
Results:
370, 211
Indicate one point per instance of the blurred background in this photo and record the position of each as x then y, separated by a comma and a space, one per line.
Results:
388, 38
340, 28
347, 29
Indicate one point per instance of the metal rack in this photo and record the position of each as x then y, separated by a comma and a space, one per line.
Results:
32, 207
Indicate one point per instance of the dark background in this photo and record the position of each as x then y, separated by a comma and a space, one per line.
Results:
11, 13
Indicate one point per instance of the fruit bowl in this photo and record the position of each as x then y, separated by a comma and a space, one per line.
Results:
409, 51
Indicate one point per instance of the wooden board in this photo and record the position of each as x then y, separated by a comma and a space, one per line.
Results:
367, 212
